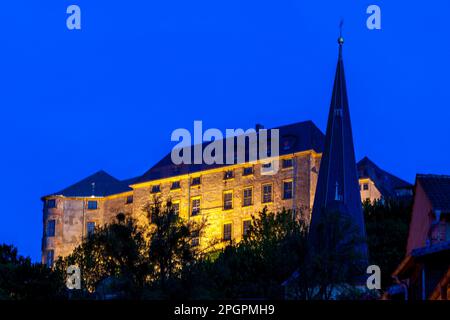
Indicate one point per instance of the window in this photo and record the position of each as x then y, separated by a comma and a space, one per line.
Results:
92, 205
267, 165
90, 228
288, 163
227, 232
175, 185
51, 203
129, 200
50, 258
228, 200
245, 227
366, 186
195, 206
50, 231
248, 197
176, 207
247, 171
287, 189
195, 238
228, 175
266, 193
156, 188
195, 181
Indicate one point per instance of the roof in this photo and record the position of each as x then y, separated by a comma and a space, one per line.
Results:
296, 137
385, 182
337, 185
440, 250
99, 184
437, 189
435, 248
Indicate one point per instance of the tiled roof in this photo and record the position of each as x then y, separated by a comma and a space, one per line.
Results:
99, 184
295, 137
437, 188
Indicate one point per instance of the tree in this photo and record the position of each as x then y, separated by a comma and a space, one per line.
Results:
387, 225
113, 254
334, 262
20, 279
172, 244
257, 266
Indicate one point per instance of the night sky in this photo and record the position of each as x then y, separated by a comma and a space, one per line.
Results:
109, 96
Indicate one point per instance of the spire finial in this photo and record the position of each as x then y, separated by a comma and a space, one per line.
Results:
341, 39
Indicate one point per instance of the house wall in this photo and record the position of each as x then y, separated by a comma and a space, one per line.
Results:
71, 218
372, 193
421, 219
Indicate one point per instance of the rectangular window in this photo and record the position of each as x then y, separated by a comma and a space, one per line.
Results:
228, 175
288, 163
245, 227
50, 231
51, 203
195, 236
267, 165
195, 181
92, 205
90, 228
129, 200
267, 193
176, 207
227, 232
195, 206
228, 200
50, 258
365, 186
248, 197
247, 171
175, 185
287, 189
156, 189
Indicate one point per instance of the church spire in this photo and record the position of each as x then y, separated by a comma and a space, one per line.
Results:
338, 187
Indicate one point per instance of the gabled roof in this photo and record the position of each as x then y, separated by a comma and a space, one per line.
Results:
296, 137
437, 189
99, 184
385, 182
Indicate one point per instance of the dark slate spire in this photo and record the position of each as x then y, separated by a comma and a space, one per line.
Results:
338, 187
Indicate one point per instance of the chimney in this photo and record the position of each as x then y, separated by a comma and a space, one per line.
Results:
259, 127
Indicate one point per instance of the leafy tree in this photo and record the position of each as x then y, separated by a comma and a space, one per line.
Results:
387, 225
254, 268
334, 261
20, 279
171, 246
113, 254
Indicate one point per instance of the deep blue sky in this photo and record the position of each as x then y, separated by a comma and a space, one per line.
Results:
108, 96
